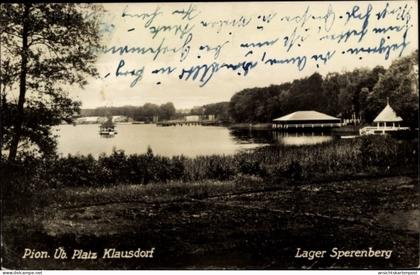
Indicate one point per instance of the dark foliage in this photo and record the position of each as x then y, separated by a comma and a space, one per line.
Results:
142, 113
361, 93
366, 155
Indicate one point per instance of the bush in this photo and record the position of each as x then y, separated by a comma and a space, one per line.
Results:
294, 171
178, 168
273, 163
219, 168
250, 166
387, 152
72, 171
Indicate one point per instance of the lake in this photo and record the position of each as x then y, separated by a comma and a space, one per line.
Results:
189, 141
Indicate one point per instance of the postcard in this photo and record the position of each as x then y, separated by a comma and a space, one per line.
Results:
235, 135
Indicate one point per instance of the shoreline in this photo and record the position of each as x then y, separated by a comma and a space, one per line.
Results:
237, 126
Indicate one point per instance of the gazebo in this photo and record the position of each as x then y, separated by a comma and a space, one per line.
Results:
306, 119
388, 115
386, 122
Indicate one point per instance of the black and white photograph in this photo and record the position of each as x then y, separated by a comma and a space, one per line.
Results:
209, 136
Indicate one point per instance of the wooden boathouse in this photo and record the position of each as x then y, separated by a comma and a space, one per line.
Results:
306, 119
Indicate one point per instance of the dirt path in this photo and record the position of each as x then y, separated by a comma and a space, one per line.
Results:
253, 229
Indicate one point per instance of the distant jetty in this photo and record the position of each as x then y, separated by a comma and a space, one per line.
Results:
100, 119
187, 123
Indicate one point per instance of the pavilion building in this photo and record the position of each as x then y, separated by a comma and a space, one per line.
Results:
387, 121
306, 119
387, 118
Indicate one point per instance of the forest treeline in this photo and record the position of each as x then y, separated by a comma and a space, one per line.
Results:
361, 93
163, 112
358, 94
139, 113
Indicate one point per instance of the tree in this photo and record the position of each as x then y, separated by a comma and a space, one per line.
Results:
346, 92
303, 92
331, 89
167, 111
241, 107
400, 85
197, 110
44, 47
150, 110
360, 93
220, 110
363, 102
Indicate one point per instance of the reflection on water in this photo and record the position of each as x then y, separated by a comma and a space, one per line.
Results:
303, 138
249, 136
284, 138
175, 140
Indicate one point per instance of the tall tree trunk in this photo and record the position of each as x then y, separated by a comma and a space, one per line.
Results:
17, 129
1, 114
2, 107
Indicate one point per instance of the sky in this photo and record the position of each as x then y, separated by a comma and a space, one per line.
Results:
232, 33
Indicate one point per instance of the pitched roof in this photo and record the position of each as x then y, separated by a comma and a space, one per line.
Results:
306, 115
387, 115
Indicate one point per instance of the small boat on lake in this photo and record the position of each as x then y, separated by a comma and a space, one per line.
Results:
107, 128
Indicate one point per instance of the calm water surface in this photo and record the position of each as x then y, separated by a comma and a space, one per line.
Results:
170, 141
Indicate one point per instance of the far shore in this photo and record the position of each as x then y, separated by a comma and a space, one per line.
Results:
256, 126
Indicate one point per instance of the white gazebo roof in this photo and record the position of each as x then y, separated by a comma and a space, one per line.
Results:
387, 115
306, 115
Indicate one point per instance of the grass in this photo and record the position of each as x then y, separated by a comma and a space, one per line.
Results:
250, 210
274, 165
222, 224
153, 193
367, 155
